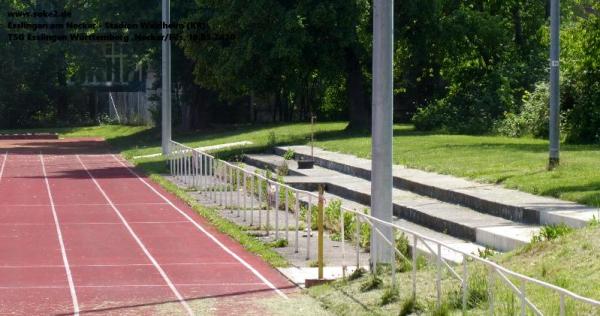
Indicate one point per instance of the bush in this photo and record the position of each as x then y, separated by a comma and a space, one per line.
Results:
551, 232
470, 107
582, 69
534, 117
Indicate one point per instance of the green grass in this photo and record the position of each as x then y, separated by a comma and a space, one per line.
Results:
570, 261
518, 163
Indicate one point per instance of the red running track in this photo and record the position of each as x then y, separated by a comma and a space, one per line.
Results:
82, 232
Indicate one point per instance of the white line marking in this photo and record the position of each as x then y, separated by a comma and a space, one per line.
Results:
45, 266
128, 285
86, 204
139, 242
202, 229
60, 240
84, 223
3, 164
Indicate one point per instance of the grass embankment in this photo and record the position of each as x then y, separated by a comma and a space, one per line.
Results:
518, 163
570, 261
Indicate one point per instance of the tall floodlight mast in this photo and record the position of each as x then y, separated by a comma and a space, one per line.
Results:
554, 136
382, 129
166, 77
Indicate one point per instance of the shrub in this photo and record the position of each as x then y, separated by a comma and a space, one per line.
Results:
289, 154
390, 295
551, 232
372, 283
470, 107
534, 116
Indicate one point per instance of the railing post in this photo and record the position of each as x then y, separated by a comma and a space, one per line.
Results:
357, 217
522, 295
287, 211
343, 236
238, 188
414, 267
562, 304
297, 220
320, 237
491, 290
276, 208
252, 178
438, 276
229, 186
259, 204
465, 285
245, 182
308, 226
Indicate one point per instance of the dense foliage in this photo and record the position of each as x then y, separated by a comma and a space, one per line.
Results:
474, 66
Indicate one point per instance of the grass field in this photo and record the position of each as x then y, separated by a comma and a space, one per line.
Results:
513, 162
570, 261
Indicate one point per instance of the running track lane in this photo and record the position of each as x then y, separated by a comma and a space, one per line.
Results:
131, 248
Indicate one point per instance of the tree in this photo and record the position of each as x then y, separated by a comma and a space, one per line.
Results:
284, 50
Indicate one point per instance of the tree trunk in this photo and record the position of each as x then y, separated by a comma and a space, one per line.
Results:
359, 107
518, 25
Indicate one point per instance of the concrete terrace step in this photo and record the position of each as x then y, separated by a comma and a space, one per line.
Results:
486, 198
457, 243
454, 220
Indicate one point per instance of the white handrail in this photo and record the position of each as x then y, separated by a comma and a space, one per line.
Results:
183, 150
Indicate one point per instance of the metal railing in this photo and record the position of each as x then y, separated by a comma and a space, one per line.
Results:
240, 190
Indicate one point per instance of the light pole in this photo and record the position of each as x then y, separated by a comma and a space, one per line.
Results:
382, 129
554, 158
166, 77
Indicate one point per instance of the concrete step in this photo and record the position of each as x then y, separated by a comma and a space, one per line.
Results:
304, 183
486, 198
450, 219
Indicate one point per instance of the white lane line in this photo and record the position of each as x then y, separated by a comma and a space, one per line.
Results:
202, 229
84, 223
3, 164
44, 266
86, 204
139, 242
60, 240
129, 285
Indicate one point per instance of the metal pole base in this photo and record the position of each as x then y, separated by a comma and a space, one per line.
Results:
553, 163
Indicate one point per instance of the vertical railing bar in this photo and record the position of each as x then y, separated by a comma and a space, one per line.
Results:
276, 208
229, 182
438, 276
414, 267
287, 211
259, 203
297, 220
245, 176
491, 290
465, 285
308, 226
252, 178
393, 250
211, 179
268, 193
522, 296
220, 179
343, 236
357, 229
562, 304
238, 188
